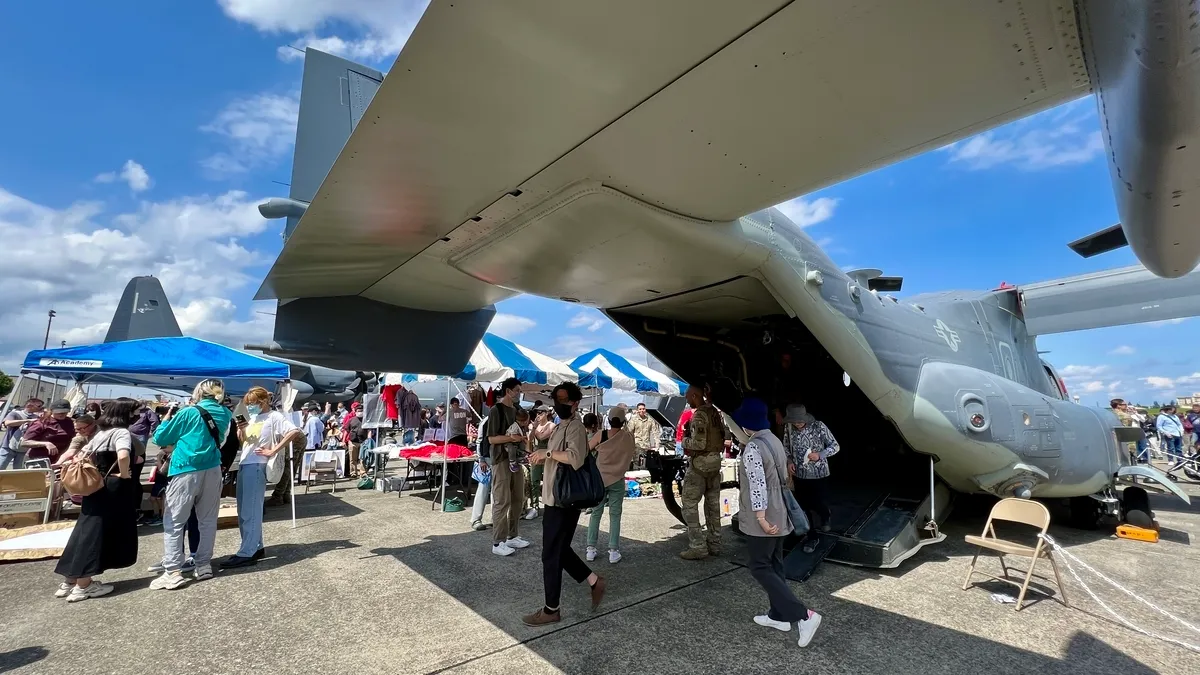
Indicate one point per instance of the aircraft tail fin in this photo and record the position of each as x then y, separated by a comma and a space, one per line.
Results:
143, 312
1114, 297
334, 96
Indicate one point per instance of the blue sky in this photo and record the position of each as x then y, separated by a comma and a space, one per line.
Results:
145, 153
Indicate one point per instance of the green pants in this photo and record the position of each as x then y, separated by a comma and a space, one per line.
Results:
533, 485
614, 497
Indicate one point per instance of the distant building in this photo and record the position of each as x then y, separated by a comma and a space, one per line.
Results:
1187, 401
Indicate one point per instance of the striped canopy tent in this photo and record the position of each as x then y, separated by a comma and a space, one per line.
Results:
496, 359
608, 370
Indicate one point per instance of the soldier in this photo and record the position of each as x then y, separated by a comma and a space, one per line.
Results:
645, 431
703, 442
1126, 418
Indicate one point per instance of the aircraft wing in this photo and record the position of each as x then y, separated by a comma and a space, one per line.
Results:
1110, 298
710, 109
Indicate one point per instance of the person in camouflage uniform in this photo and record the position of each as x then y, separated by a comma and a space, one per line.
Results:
703, 442
1121, 409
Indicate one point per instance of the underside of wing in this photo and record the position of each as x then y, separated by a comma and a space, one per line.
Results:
576, 149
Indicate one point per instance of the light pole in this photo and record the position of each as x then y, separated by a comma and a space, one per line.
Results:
51, 314
63, 344
45, 343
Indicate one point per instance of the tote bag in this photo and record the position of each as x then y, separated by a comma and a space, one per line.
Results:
580, 488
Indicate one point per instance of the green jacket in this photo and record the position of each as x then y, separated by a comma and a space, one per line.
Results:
194, 446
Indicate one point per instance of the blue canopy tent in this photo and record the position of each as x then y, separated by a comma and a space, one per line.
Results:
172, 363
608, 370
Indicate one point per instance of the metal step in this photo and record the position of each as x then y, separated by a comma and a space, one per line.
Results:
889, 531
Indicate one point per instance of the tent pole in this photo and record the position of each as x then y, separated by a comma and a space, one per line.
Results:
445, 450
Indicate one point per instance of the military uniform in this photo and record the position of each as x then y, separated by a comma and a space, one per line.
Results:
645, 432
704, 442
1126, 420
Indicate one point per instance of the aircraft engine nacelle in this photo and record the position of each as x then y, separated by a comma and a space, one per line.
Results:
1009, 440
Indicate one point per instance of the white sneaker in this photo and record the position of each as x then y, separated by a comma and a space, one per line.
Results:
808, 628
614, 557
478, 526
517, 542
168, 581
531, 514
591, 553
94, 590
502, 549
64, 589
202, 572
764, 620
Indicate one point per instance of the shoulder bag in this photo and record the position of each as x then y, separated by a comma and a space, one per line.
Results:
581, 488
278, 461
794, 512
81, 477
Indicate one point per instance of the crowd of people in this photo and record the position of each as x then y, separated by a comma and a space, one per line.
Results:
206, 447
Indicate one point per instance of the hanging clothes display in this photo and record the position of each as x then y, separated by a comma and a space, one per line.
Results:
374, 412
388, 394
408, 406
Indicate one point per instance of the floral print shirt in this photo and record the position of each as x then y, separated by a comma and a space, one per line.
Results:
814, 437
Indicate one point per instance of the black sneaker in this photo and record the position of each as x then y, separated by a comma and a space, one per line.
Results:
259, 554
237, 561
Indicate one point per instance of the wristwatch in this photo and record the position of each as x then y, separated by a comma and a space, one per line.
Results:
548, 453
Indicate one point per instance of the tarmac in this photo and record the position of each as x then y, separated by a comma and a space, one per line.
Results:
375, 583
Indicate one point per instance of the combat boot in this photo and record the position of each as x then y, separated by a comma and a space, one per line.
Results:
694, 554
715, 548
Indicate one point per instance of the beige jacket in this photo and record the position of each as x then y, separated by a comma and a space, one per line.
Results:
614, 456
571, 436
645, 431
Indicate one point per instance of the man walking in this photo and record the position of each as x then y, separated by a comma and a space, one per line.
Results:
508, 481
703, 442
645, 431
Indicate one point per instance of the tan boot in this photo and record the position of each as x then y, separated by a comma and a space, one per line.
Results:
694, 554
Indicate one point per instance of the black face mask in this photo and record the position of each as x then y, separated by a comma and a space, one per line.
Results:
563, 410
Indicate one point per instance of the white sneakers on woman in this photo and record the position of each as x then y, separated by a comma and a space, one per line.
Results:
93, 590
614, 556
807, 627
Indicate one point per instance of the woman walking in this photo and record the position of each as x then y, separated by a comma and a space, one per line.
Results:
264, 434
105, 536
613, 457
569, 445
762, 517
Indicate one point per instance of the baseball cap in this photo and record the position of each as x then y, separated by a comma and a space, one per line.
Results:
62, 405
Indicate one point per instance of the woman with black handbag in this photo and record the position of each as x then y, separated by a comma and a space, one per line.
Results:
567, 461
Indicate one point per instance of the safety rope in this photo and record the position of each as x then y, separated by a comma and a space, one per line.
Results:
1067, 557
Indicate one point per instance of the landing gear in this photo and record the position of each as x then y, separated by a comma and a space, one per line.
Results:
1135, 507
1084, 513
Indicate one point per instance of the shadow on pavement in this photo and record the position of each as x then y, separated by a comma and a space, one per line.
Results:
282, 555
21, 657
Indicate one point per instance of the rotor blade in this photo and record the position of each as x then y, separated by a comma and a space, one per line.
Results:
1108, 239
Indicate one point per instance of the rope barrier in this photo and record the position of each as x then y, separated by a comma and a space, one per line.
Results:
1067, 557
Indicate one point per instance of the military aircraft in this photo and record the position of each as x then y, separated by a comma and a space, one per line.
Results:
143, 312
606, 153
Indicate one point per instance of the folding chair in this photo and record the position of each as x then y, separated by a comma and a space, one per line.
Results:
329, 468
1023, 511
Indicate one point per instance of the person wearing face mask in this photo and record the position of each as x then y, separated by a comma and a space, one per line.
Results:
15, 422
265, 433
568, 444
197, 432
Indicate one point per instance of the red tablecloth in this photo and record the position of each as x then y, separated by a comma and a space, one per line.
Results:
427, 450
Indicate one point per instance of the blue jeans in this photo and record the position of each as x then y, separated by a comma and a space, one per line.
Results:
11, 457
1173, 445
251, 489
1143, 452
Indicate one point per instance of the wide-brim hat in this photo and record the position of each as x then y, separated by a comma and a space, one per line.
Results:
798, 414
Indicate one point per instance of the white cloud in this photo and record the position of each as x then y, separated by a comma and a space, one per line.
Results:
379, 29
636, 354
804, 212
510, 325
1123, 350
1159, 383
132, 173
1076, 371
1065, 136
570, 345
76, 261
259, 131
586, 320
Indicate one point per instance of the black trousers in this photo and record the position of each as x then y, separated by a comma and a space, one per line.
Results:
766, 566
558, 529
810, 493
